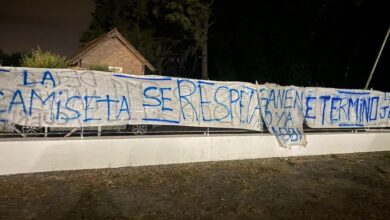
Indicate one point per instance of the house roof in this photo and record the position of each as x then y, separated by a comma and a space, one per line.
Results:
113, 33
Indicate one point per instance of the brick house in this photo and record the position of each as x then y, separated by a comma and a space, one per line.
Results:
113, 50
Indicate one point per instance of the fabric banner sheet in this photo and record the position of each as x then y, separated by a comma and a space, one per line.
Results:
74, 98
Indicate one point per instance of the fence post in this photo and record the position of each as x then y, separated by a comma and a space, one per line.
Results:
377, 59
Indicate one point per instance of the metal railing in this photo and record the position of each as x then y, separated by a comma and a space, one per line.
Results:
24, 131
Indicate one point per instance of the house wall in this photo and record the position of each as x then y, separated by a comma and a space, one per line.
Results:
113, 53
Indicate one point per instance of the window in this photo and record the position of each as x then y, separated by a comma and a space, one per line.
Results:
117, 69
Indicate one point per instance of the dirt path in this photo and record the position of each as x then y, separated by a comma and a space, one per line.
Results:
355, 186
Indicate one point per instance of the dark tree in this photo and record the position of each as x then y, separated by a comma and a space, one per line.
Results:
151, 26
307, 42
10, 60
194, 17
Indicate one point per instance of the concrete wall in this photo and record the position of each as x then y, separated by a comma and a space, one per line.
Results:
38, 155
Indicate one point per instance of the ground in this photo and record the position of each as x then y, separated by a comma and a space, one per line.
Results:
353, 186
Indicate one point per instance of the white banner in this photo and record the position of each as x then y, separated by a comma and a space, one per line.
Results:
282, 112
70, 98
342, 108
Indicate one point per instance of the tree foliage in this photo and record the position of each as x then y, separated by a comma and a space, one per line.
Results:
9, 59
307, 42
193, 16
164, 31
133, 19
43, 59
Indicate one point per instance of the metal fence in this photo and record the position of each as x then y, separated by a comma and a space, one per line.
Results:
27, 131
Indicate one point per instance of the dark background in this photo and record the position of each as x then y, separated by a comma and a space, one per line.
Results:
54, 25
311, 43
300, 42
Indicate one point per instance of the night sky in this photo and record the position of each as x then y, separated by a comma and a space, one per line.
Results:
303, 42
54, 25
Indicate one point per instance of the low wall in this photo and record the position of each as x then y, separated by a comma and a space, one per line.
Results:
37, 155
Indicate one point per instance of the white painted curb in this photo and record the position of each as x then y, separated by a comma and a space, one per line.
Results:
38, 155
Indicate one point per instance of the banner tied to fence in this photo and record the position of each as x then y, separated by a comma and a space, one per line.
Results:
72, 98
